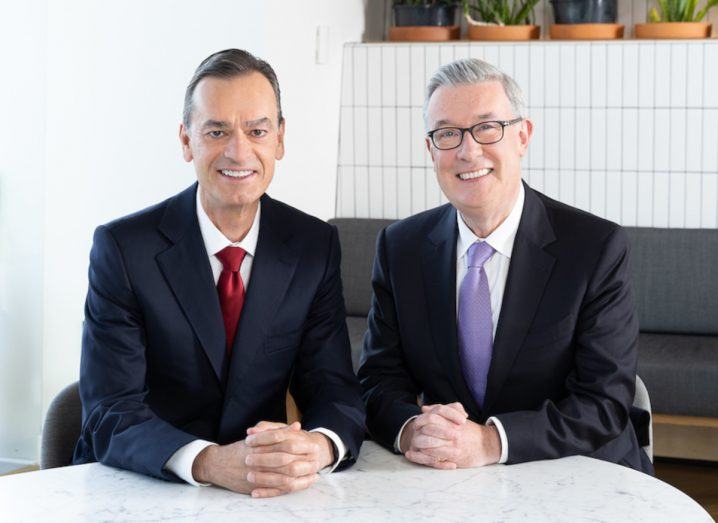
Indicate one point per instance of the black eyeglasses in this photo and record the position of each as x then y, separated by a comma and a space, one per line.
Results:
484, 133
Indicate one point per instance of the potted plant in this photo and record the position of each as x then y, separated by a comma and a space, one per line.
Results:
585, 20
501, 19
424, 20
677, 19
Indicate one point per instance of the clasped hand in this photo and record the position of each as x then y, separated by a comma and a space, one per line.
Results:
274, 459
443, 437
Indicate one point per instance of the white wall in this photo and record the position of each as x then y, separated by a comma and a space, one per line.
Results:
22, 175
111, 103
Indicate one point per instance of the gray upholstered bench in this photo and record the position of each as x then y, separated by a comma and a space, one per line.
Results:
675, 285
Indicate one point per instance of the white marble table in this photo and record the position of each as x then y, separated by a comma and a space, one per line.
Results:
380, 487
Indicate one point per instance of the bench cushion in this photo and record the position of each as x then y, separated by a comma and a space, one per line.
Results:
680, 373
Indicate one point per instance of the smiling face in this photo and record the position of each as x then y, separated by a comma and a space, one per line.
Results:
481, 181
234, 140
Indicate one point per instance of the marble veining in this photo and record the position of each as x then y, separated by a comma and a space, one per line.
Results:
380, 487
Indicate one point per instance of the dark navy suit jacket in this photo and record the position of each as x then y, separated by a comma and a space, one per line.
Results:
154, 372
563, 369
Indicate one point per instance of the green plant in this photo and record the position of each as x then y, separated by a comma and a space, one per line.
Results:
501, 12
680, 11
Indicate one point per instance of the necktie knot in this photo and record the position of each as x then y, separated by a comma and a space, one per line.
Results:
231, 258
478, 253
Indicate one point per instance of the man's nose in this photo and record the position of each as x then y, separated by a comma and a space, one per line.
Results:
469, 148
238, 147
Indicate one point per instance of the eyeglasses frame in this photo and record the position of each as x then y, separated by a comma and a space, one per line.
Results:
504, 124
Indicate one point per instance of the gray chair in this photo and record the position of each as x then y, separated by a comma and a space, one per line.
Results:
61, 429
643, 402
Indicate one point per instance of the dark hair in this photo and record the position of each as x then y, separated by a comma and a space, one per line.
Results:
228, 64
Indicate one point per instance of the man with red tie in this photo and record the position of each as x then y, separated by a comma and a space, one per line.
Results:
203, 309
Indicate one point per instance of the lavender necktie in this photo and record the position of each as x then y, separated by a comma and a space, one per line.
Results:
474, 321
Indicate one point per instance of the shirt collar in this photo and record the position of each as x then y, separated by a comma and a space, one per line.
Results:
502, 239
215, 241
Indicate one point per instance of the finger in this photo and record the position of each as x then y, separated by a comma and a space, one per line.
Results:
282, 463
457, 406
296, 469
454, 412
444, 465
296, 446
449, 413
433, 418
270, 437
267, 492
430, 461
444, 432
422, 441
442, 453
265, 425
280, 481
269, 459
420, 458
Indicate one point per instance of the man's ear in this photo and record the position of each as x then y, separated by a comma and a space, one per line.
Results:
525, 133
429, 147
280, 140
184, 141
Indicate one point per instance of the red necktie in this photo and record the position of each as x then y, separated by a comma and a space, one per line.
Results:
231, 290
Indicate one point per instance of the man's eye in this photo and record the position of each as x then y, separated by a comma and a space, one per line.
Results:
447, 133
258, 133
216, 134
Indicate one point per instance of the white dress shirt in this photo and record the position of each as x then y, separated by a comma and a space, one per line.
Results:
180, 463
497, 270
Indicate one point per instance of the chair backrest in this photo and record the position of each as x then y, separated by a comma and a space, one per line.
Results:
61, 429
357, 237
643, 402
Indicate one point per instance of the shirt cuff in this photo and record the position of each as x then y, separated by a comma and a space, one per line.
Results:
182, 460
397, 441
493, 420
340, 450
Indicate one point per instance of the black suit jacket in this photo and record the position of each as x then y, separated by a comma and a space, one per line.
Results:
154, 372
563, 368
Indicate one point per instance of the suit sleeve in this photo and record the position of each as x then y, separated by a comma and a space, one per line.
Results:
390, 392
118, 427
324, 385
601, 386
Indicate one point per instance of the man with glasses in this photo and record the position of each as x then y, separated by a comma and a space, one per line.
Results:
502, 327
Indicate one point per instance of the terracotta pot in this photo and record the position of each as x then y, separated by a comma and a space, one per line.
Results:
586, 31
673, 30
504, 32
424, 33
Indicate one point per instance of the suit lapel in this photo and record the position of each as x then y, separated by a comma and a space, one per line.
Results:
272, 270
529, 271
439, 275
185, 266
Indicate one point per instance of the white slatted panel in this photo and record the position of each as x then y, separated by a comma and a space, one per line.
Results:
626, 130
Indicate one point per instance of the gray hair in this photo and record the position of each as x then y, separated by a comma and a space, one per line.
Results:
475, 71
227, 64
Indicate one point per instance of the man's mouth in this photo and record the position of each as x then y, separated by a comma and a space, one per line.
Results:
237, 174
475, 174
